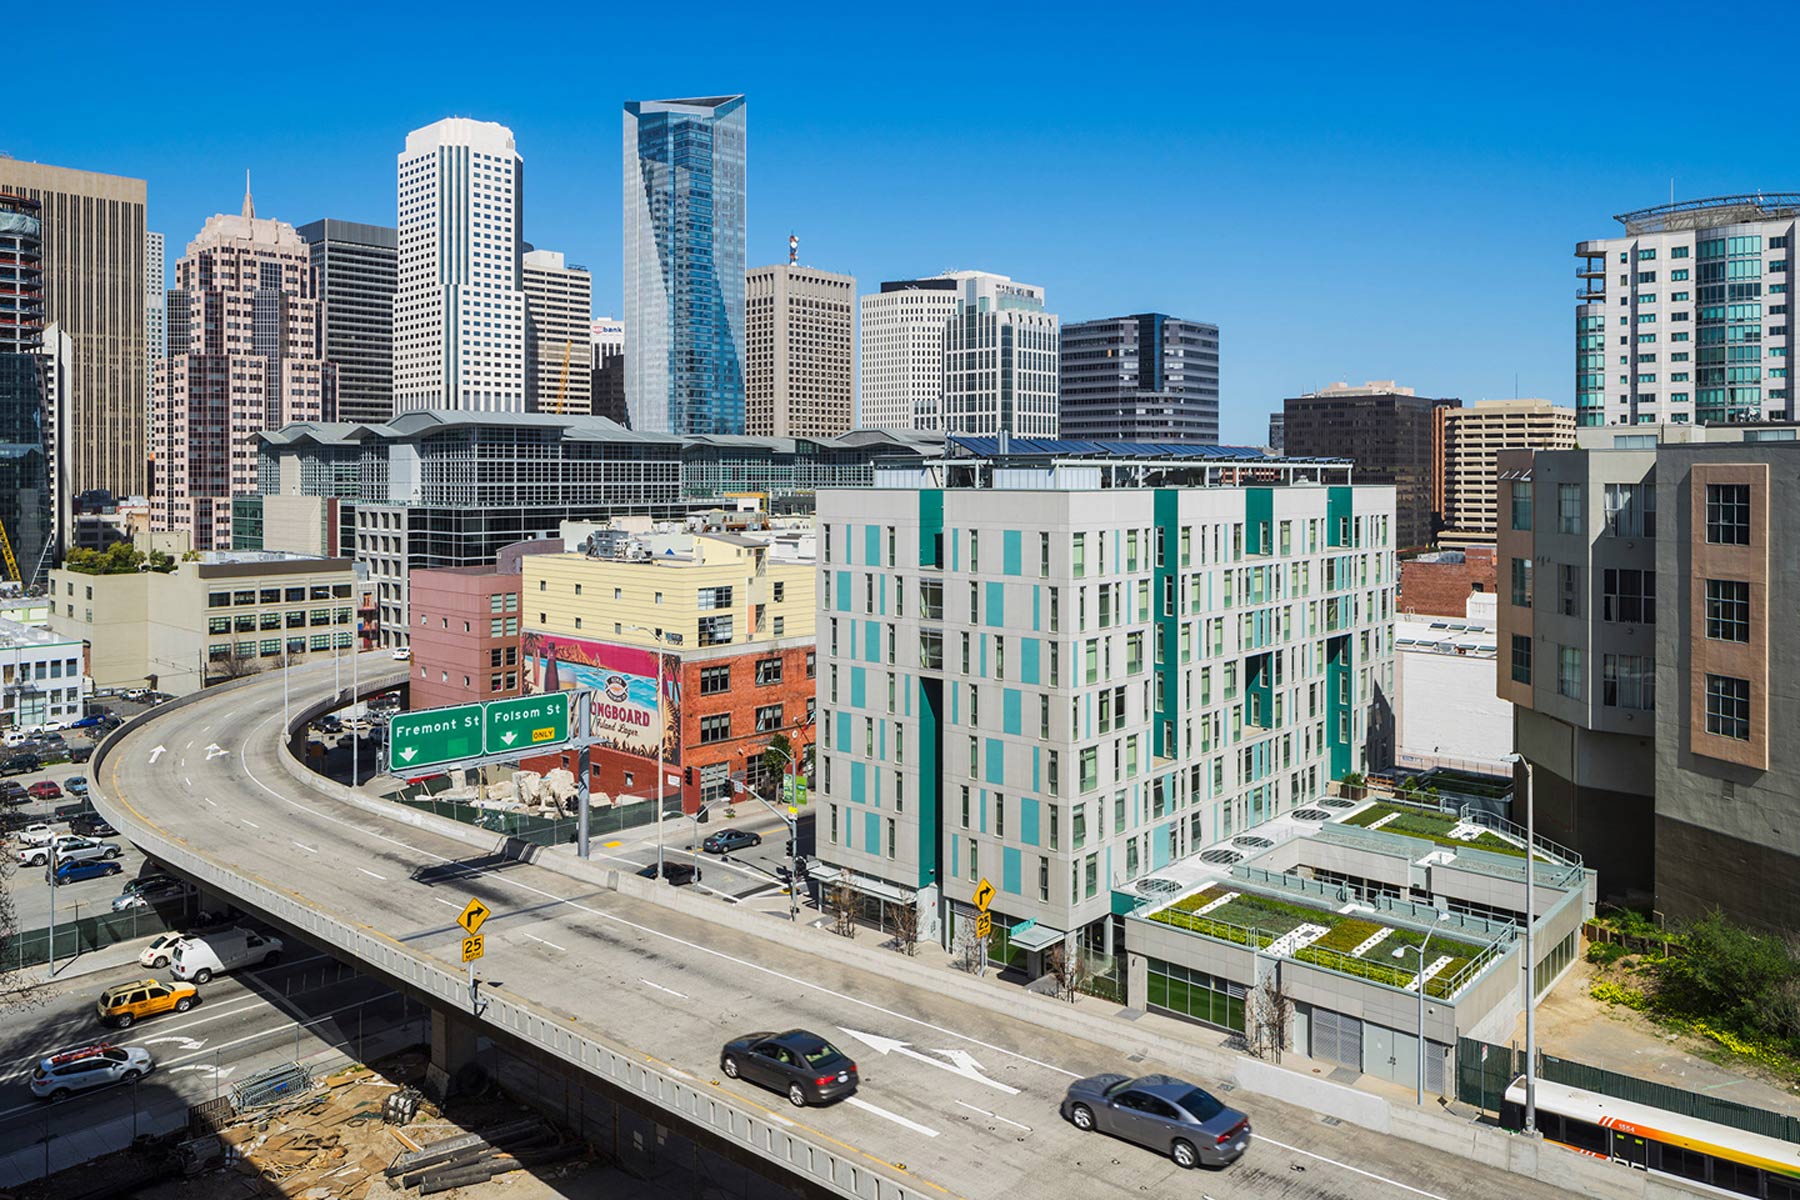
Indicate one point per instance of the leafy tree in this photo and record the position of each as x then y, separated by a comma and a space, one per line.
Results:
1735, 977
120, 558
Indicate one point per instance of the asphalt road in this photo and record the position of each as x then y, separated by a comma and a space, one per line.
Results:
244, 1023
964, 1095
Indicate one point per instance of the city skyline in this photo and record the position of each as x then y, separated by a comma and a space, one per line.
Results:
1386, 193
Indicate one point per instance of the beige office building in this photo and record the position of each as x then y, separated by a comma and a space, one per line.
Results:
797, 354
219, 616
559, 342
94, 252
1469, 441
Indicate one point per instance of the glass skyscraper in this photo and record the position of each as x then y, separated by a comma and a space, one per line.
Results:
684, 264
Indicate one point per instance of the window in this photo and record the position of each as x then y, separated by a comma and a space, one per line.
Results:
1521, 582
1568, 672
1078, 556
780, 592
1728, 610
715, 728
768, 718
713, 680
1631, 510
1728, 707
1568, 508
1521, 658
1728, 514
1627, 681
1090, 768
1043, 556
1568, 590
715, 631
1628, 596
1521, 505
768, 670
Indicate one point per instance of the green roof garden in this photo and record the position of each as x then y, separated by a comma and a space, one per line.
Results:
1431, 826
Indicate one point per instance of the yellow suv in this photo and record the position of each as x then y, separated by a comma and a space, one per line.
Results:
129, 1002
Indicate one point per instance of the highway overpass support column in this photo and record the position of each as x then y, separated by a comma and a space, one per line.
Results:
452, 1049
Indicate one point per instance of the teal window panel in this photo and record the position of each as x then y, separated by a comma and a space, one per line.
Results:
931, 528
1037, 755
871, 833
883, 590
1159, 847
875, 799
1011, 702
1011, 552
871, 641
1028, 821
843, 731
996, 761
956, 858
955, 703
849, 831
1029, 649
906, 690
996, 605
1037, 604
859, 783
983, 804
871, 545
843, 591
880, 747
955, 549
1011, 867
859, 687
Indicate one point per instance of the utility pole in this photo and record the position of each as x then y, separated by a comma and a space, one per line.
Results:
1530, 962
583, 730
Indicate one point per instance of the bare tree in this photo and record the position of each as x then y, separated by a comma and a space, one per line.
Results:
1269, 1019
16, 990
1069, 969
903, 922
968, 946
236, 665
841, 901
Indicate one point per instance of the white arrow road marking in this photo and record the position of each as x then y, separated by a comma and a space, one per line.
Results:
156, 753
996, 1116
896, 1118
961, 1062
222, 1072
659, 987
215, 751
186, 1043
552, 945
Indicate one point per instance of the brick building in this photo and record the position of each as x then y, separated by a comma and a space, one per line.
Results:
732, 617
1439, 584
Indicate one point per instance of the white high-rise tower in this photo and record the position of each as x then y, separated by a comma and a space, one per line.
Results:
459, 312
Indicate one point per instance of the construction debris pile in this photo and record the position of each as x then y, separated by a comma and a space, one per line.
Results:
468, 1158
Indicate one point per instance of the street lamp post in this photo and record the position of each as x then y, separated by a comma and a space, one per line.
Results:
1421, 950
1530, 960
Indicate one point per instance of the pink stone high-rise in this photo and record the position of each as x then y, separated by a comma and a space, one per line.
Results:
246, 294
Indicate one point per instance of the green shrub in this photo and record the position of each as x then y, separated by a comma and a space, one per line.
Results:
1604, 954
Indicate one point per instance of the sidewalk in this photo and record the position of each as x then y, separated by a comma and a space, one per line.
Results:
120, 958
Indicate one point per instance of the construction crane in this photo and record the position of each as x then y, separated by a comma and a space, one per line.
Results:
12, 564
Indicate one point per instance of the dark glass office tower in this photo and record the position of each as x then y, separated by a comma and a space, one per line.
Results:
684, 264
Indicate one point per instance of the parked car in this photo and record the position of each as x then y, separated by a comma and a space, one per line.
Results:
75, 871
1161, 1113
200, 958
727, 840
76, 785
93, 826
41, 833
87, 1067
80, 754
68, 812
13, 792
21, 764
45, 789
68, 847
16, 736
328, 724
809, 1069
677, 873
157, 954
88, 722
138, 695
128, 1003
147, 891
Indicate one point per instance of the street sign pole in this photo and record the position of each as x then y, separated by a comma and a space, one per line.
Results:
584, 726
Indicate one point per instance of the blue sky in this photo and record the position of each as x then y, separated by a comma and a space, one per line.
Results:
1350, 192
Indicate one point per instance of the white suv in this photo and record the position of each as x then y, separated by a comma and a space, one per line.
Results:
87, 1067
69, 848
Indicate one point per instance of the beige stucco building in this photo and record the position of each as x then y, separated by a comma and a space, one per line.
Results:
1469, 441
797, 352
214, 616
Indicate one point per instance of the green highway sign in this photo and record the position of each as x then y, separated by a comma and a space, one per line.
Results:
537, 722
434, 736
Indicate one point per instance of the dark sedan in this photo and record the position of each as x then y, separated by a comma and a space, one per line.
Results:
13, 792
92, 827
1160, 1113
677, 873
727, 840
804, 1065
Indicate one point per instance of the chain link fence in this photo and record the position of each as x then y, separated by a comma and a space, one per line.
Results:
543, 831
83, 934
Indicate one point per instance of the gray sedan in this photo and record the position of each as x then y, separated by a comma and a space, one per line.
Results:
1160, 1113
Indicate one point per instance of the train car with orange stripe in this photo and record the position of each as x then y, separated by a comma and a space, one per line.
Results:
1721, 1158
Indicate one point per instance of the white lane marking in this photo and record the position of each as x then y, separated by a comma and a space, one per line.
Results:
806, 984
210, 801
994, 1115
775, 1116
189, 746
221, 1072
187, 1043
451, 903
251, 824
1261, 1137
896, 1118
305, 847
534, 937
372, 874
186, 781
659, 987
961, 1061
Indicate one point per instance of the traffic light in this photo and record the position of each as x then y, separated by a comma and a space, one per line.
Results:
687, 776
